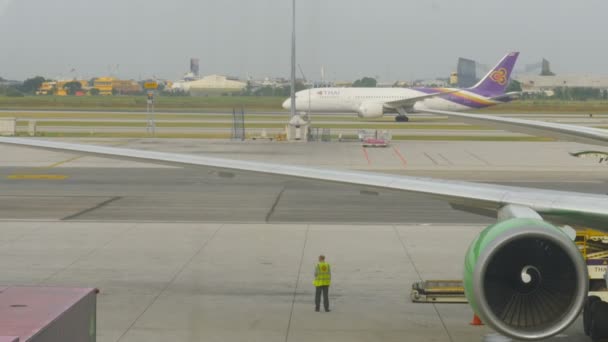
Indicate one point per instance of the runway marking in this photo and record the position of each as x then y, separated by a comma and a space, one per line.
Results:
37, 177
479, 158
61, 162
295, 290
33, 176
431, 158
369, 162
100, 205
400, 156
274, 205
446, 159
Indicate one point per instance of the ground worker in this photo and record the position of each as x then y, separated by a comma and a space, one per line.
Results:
322, 282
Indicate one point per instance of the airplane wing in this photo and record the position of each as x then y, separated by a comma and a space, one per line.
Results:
587, 135
559, 207
409, 103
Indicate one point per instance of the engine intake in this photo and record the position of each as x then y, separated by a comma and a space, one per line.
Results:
525, 278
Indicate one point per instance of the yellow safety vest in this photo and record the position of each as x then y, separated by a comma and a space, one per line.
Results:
322, 275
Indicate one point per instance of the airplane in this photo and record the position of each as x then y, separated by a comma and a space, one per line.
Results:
524, 276
369, 103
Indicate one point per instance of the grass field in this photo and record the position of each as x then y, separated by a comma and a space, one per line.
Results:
252, 117
253, 103
138, 103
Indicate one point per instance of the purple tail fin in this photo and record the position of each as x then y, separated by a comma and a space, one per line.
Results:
496, 81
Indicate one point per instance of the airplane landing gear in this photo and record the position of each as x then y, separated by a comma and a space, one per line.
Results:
595, 318
402, 118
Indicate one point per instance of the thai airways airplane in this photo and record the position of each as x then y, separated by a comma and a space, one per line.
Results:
375, 102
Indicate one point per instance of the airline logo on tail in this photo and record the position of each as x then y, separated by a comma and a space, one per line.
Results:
499, 76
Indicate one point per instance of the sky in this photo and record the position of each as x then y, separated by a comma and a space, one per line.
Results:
388, 39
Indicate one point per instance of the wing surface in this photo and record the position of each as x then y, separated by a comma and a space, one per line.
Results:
410, 102
587, 135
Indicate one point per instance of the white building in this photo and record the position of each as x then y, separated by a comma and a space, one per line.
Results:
536, 83
210, 84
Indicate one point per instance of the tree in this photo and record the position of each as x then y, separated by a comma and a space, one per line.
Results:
31, 85
72, 87
94, 91
12, 92
513, 86
365, 82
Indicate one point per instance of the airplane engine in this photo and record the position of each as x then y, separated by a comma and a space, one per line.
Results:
525, 278
371, 110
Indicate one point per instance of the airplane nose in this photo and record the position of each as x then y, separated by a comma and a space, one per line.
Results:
287, 104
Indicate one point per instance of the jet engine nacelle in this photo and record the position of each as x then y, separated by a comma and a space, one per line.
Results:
371, 110
525, 278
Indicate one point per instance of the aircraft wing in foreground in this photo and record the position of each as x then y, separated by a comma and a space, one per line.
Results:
587, 135
524, 276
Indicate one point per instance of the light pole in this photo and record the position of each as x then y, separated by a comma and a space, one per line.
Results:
293, 61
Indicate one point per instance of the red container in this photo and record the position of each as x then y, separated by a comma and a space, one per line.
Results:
48, 314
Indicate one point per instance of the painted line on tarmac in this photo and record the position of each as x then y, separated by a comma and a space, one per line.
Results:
34, 176
88, 210
61, 162
369, 162
479, 158
400, 156
431, 158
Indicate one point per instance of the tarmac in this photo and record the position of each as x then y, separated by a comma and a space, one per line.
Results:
181, 254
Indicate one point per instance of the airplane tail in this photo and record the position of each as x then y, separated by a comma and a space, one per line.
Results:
496, 81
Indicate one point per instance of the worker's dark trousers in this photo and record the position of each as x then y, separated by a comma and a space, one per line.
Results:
325, 290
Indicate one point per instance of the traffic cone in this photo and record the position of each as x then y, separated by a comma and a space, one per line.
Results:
476, 321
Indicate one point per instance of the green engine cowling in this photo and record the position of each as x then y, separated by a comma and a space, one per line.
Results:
525, 278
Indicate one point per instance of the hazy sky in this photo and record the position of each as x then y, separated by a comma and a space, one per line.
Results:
392, 39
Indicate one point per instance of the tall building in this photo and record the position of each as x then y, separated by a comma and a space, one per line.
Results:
467, 74
546, 69
194, 66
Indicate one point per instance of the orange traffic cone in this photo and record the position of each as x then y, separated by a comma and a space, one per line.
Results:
476, 321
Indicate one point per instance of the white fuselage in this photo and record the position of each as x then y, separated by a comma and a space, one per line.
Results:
357, 100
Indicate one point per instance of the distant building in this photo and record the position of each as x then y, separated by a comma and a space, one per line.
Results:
537, 83
546, 68
104, 85
431, 83
467, 73
110, 85
454, 79
194, 66
47, 88
58, 87
212, 84
343, 84
125, 87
